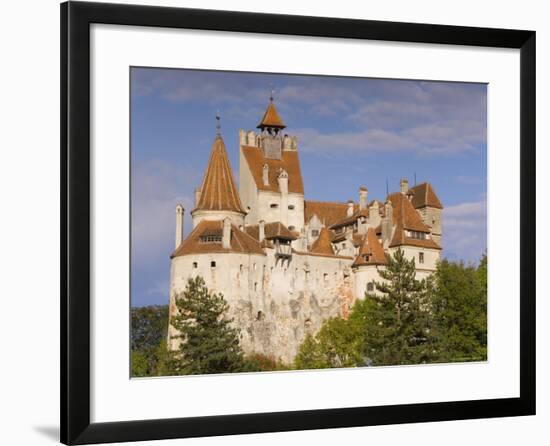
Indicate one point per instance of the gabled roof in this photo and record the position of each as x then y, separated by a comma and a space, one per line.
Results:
289, 161
424, 195
406, 217
405, 214
271, 118
272, 231
218, 190
371, 251
322, 245
240, 241
329, 212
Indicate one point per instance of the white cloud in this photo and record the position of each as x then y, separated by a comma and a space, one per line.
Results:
465, 230
424, 141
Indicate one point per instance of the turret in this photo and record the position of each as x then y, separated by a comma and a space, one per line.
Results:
387, 223
404, 185
179, 224
363, 194
226, 237
350, 208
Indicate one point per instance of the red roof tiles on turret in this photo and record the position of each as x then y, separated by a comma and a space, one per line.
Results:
218, 190
271, 118
240, 241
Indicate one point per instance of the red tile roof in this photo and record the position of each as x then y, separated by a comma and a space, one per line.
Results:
272, 230
289, 162
218, 190
424, 195
322, 245
240, 241
271, 118
405, 214
371, 252
329, 212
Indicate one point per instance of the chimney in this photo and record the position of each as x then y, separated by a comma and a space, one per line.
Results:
197, 196
179, 224
374, 214
266, 175
261, 231
226, 238
387, 223
363, 193
404, 185
350, 208
283, 181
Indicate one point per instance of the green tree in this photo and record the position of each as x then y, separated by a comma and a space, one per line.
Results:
209, 343
148, 331
337, 344
460, 311
398, 320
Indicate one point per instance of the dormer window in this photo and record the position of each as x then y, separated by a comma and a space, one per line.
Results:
210, 239
416, 235
315, 232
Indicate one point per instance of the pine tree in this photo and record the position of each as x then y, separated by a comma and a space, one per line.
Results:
398, 321
209, 343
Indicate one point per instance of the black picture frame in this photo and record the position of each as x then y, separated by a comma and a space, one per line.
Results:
76, 18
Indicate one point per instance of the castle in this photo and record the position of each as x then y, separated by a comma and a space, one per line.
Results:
283, 263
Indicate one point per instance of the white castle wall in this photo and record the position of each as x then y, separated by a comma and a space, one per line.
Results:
273, 303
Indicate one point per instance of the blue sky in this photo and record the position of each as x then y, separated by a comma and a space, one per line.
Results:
351, 132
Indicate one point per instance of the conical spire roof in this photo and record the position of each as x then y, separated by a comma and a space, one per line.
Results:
271, 118
218, 190
322, 245
371, 251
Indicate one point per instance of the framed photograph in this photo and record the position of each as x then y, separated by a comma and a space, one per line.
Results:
275, 223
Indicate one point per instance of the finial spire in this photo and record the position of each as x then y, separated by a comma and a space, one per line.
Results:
218, 125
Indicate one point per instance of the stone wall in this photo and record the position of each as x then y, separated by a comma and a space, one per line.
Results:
274, 303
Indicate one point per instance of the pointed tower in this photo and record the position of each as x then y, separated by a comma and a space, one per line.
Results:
218, 197
271, 120
322, 245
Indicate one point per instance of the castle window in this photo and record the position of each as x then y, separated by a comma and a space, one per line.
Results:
315, 232
255, 286
417, 235
273, 205
370, 286
325, 278
420, 257
343, 246
241, 268
260, 316
292, 228
212, 264
210, 239
195, 265
291, 207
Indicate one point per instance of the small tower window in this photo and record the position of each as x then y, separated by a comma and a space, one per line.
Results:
370, 286
291, 207
292, 228
315, 232
420, 257
273, 205
212, 264
195, 265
